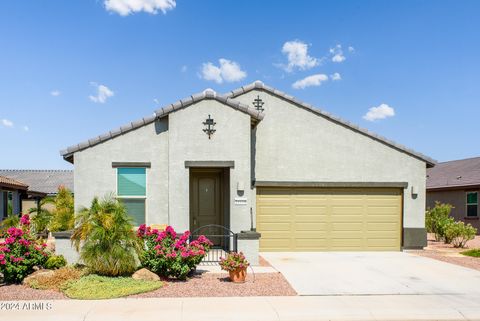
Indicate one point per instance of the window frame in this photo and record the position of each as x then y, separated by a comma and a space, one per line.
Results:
468, 204
136, 197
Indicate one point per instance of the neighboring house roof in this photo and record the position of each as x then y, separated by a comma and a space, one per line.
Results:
261, 86
160, 113
454, 174
11, 183
44, 181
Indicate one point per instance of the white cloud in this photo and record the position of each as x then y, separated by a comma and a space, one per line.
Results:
103, 93
184, 68
380, 112
55, 93
228, 71
25, 128
335, 76
7, 123
337, 54
351, 49
313, 80
126, 7
297, 55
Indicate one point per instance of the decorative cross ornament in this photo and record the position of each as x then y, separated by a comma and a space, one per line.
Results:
209, 124
258, 103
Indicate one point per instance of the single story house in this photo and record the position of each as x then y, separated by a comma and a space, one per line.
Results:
11, 194
257, 158
457, 183
43, 182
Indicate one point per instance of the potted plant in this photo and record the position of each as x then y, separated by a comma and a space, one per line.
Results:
236, 265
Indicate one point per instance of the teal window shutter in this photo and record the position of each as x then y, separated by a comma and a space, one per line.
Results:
131, 182
136, 209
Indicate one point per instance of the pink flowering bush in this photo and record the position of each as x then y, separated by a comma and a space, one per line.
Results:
234, 261
168, 255
20, 252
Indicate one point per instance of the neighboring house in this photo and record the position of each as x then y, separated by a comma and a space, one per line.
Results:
257, 157
11, 194
44, 182
457, 183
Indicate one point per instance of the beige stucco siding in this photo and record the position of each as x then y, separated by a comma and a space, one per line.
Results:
294, 144
95, 176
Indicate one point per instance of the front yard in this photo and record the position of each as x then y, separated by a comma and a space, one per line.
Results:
447, 253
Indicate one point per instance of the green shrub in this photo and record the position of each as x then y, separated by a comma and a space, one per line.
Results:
55, 262
94, 287
460, 233
437, 219
105, 233
472, 252
168, 255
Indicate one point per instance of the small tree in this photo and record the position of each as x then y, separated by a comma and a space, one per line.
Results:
60, 218
105, 238
437, 219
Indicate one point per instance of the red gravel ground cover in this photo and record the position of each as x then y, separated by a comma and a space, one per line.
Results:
22, 292
218, 285
447, 253
199, 285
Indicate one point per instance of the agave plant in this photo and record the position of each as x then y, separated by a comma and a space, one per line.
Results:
105, 238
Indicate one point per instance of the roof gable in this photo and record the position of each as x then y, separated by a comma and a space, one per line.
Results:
258, 85
160, 113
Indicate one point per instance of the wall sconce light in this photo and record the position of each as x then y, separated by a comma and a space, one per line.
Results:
414, 190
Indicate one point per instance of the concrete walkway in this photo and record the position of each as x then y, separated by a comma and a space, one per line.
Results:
373, 307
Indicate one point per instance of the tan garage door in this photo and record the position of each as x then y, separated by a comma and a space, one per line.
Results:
319, 219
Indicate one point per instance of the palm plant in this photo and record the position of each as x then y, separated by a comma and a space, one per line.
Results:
41, 215
105, 238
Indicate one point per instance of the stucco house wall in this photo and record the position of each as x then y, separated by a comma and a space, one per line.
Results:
457, 198
188, 142
95, 176
293, 144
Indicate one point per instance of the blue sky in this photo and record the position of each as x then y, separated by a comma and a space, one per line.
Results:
71, 70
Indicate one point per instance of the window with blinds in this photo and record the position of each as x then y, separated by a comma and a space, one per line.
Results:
132, 191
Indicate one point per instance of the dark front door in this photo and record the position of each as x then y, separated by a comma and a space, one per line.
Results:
206, 198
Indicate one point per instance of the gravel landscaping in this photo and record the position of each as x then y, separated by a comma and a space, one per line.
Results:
447, 253
23, 292
199, 285
218, 285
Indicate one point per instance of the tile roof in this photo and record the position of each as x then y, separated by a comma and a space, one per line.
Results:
44, 181
160, 113
259, 85
8, 182
457, 173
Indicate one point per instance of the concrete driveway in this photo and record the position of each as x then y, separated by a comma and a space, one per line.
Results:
369, 273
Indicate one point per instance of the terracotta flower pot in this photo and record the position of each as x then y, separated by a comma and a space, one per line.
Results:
238, 276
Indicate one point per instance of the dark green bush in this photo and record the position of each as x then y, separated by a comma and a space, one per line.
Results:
55, 262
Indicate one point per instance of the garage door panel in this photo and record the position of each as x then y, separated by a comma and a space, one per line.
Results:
347, 226
320, 219
310, 226
275, 226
